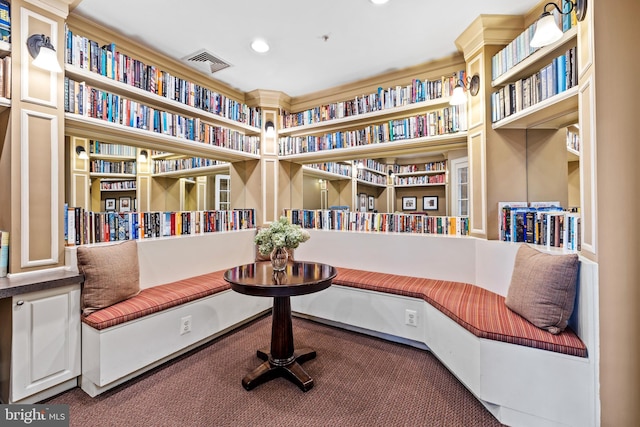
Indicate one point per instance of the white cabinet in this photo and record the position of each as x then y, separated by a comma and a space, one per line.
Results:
45, 356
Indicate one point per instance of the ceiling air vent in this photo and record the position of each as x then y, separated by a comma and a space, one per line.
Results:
207, 58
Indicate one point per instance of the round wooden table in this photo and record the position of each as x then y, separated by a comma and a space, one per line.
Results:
299, 278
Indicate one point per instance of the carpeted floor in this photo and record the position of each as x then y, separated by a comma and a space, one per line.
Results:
359, 381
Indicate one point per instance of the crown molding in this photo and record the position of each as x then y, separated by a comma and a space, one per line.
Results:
489, 30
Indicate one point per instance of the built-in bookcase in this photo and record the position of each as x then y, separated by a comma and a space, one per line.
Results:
114, 97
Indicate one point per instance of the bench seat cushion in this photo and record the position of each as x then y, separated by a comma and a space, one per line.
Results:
413, 287
485, 314
157, 298
478, 310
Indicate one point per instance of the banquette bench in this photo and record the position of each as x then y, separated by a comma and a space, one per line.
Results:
441, 293
180, 286
447, 294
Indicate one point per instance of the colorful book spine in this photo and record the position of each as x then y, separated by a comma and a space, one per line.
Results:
4, 253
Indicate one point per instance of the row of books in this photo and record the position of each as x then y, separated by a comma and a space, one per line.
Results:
5, 77
5, 21
4, 253
375, 165
84, 227
87, 101
417, 91
540, 224
107, 149
372, 177
344, 220
171, 165
440, 122
554, 78
110, 166
107, 61
333, 167
420, 179
520, 48
120, 185
573, 140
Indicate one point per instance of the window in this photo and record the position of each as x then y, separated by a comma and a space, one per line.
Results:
223, 192
460, 186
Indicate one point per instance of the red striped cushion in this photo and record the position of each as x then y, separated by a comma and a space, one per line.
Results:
157, 298
408, 286
485, 314
478, 310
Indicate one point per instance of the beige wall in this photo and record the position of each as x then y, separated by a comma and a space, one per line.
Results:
618, 186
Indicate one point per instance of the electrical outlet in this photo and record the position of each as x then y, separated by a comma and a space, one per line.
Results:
185, 325
411, 317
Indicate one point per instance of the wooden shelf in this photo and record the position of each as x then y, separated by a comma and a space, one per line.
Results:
111, 157
386, 149
111, 190
436, 184
5, 49
123, 89
553, 113
88, 127
534, 62
419, 173
193, 172
123, 176
374, 116
373, 184
5, 104
320, 174
573, 155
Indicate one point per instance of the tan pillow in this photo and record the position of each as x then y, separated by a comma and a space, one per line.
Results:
111, 274
543, 288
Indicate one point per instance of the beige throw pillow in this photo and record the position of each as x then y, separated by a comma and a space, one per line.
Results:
111, 274
543, 288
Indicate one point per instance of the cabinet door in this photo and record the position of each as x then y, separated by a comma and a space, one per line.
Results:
46, 340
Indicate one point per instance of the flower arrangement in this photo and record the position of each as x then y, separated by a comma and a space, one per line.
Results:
280, 234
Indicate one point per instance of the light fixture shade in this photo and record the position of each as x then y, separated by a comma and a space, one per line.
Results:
547, 31
270, 128
143, 156
459, 97
47, 60
82, 153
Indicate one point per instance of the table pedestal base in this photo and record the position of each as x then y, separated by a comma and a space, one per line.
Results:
274, 368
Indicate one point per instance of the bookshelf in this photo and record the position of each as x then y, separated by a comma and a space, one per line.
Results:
550, 111
427, 175
199, 122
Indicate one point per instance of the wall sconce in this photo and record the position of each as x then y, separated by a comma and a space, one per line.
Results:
82, 153
143, 156
43, 53
270, 128
547, 30
472, 85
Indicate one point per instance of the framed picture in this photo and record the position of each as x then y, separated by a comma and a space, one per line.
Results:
371, 201
110, 204
362, 205
409, 203
430, 203
125, 204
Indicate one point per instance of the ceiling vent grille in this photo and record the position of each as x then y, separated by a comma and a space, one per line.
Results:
204, 57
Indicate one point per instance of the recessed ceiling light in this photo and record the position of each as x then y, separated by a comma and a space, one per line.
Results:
260, 46
379, 1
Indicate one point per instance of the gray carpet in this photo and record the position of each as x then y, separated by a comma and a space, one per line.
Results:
359, 381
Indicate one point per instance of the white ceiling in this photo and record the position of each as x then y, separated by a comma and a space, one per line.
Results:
363, 39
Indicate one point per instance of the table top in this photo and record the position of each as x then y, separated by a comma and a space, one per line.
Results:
299, 278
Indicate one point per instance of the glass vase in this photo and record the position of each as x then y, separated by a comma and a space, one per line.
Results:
279, 258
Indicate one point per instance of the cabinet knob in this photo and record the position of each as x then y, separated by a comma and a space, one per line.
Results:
20, 303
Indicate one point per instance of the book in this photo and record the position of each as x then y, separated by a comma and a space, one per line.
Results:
4, 253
